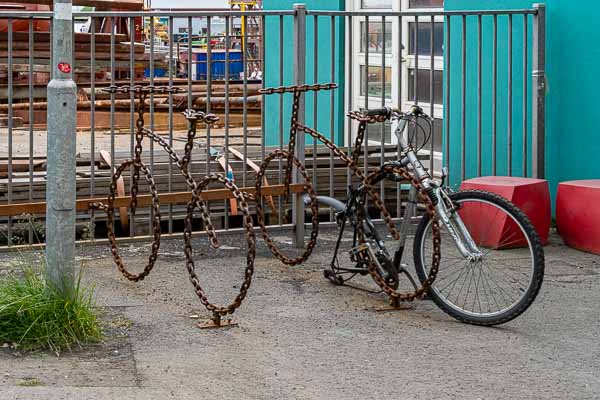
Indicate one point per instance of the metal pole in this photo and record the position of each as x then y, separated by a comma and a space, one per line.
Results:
539, 92
60, 197
299, 79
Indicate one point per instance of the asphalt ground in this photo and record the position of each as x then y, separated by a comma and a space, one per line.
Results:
300, 337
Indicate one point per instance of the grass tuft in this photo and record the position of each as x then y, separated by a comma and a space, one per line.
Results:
34, 315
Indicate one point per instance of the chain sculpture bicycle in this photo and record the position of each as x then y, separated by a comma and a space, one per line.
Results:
196, 187
369, 252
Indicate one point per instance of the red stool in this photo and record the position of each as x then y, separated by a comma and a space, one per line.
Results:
532, 196
578, 214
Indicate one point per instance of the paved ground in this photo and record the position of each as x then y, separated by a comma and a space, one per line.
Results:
302, 338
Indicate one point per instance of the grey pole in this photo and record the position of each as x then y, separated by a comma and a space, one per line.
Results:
60, 193
299, 79
538, 100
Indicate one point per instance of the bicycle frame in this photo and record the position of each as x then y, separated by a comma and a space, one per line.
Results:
450, 220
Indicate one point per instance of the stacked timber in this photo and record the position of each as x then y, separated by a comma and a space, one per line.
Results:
40, 56
163, 105
325, 171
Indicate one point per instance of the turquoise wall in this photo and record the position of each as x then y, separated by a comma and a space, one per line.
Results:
572, 65
502, 97
272, 68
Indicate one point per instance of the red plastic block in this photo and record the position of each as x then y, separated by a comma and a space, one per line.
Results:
578, 214
532, 196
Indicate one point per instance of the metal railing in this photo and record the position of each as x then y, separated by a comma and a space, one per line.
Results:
298, 46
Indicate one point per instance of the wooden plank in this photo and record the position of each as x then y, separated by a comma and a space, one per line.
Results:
145, 200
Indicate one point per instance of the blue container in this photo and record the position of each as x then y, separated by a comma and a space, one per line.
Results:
158, 72
236, 66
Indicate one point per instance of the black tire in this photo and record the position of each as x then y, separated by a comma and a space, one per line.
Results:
527, 292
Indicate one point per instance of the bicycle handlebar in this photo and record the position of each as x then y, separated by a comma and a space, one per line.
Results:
389, 112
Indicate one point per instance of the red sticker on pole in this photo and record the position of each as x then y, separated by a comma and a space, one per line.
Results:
64, 68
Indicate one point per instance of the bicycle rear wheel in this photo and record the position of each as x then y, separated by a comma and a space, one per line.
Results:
504, 282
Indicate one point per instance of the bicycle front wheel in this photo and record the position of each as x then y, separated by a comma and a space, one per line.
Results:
501, 284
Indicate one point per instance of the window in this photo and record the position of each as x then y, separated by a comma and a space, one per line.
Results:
374, 132
424, 39
426, 4
423, 86
376, 4
376, 40
373, 78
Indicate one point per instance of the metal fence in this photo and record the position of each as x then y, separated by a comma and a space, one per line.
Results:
377, 58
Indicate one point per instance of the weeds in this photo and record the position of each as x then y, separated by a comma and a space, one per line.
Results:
35, 315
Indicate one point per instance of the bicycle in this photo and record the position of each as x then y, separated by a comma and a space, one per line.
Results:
497, 282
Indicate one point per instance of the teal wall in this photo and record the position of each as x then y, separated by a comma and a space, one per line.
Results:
272, 68
572, 65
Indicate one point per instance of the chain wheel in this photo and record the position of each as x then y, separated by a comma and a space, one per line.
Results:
250, 241
110, 224
260, 213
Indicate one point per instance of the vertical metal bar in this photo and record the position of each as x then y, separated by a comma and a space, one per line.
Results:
332, 115
416, 69
209, 89
349, 86
189, 80
400, 76
227, 46
132, 113
245, 102
479, 94
10, 124
432, 95
366, 86
463, 138
315, 97
299, 79
112, 95
447, 100
525, 91
494, 94
170, 121
31, 116
92, 120
189, 67
382, 127
61, 188
279, 201
510, 90
263, 64
538, 132
152, 36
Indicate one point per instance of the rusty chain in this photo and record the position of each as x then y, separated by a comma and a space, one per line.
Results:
260, 214
197, 188
424, 196
299, 88
352, 164
196, 201
250, 241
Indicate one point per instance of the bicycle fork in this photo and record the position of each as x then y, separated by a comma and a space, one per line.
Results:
455, 226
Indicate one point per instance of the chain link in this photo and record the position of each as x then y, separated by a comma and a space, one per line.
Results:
422, 192
250, 243
299, 88
260, 213
196, 201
